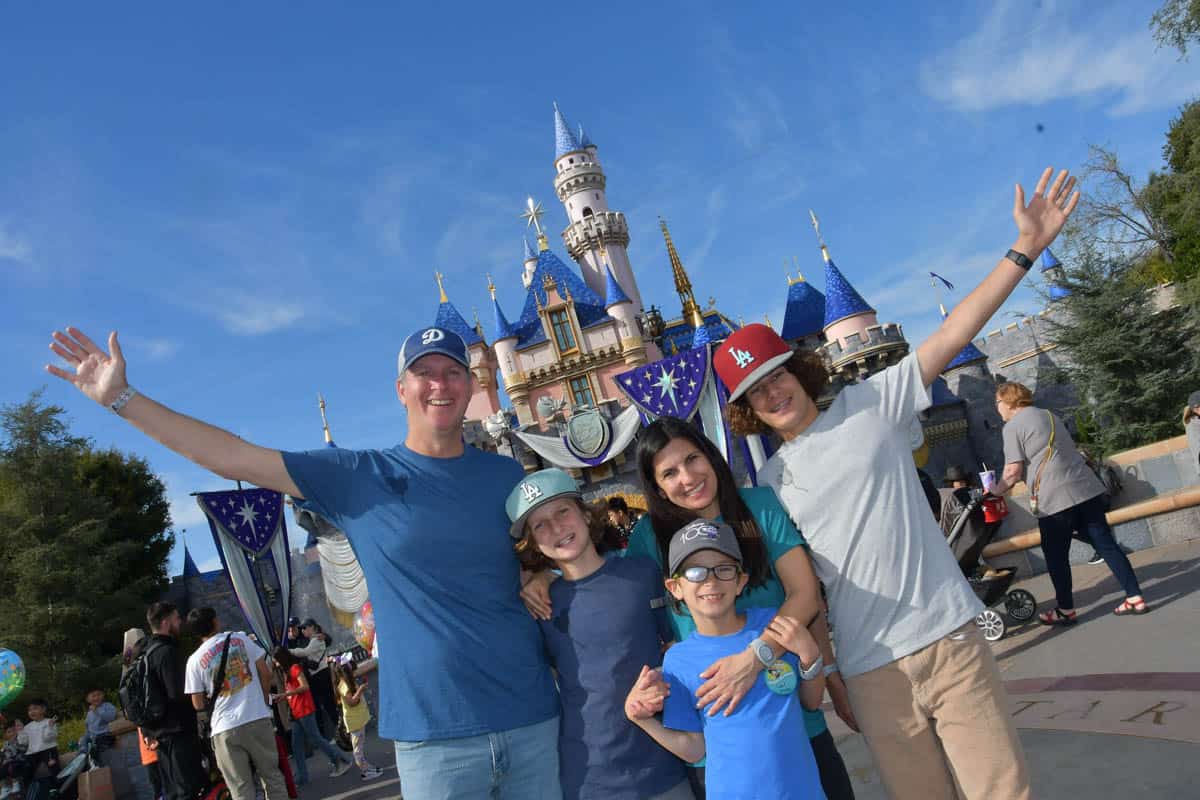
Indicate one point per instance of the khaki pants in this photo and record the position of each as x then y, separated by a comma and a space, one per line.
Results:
247, 749
939, 717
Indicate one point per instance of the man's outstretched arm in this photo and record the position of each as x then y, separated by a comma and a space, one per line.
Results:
101, 377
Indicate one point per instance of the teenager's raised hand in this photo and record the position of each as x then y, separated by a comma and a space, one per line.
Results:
1040, 221
98, 374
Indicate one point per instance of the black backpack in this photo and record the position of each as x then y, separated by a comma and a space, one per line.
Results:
142, 697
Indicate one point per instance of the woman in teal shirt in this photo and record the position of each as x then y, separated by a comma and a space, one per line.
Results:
684, 477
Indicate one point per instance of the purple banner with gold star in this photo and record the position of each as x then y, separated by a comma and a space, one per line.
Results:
671, 387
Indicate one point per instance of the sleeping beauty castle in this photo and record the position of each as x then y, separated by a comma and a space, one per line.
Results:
586, 360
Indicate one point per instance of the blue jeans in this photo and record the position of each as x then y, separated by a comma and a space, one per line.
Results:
517, 764
305, 729
1086, 518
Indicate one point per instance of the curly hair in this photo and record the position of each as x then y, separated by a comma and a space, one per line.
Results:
601, 533
807, 366
1015, 394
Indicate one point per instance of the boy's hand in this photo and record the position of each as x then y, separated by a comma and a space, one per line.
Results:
535, 594
795, 637
646, 697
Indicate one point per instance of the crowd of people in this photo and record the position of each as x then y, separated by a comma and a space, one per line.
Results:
832, 577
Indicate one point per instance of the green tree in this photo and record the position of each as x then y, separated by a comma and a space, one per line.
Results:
1173, 196
1177, 24
1132, 362
85, 534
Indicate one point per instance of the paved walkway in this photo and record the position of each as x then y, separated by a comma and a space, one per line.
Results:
1109, 707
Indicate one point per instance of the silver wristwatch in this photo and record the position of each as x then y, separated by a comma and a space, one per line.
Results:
762, 651
812, 670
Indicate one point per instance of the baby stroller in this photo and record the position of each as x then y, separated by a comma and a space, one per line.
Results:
971, 529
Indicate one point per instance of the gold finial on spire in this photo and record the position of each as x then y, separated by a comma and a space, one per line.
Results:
767, 319
796, 263
478, 324
683, 284
942, 308
324, 420
441, 289
533, 214
491, 286
820, 240
741, 321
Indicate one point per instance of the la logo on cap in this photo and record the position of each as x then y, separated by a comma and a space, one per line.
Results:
530, 492
432, 335
742, 358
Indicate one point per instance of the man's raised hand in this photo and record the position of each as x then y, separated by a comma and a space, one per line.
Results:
1041, 220
99, 375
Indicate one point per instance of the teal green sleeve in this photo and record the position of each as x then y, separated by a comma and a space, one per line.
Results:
642, 542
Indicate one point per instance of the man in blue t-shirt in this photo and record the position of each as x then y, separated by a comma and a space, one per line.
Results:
465, 691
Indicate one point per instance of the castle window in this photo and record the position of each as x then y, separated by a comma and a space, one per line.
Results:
564, 337
581, 390
596, 195
570, 161
587, 211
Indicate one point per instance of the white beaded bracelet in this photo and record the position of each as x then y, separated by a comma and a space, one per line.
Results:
127, 394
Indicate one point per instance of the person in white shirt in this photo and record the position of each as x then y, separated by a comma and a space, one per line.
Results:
243, 735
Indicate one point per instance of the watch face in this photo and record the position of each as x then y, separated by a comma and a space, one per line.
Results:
764, 653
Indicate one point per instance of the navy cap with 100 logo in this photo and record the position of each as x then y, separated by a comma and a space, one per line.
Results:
432, 340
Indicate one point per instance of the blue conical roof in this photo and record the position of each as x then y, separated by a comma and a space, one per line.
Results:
1059, 292
589, 308
190, 570
1048, 260
503, 329
530, 253
968, 355
805, 313
584, 141
841, 299
564, 140
613, 293
449, 318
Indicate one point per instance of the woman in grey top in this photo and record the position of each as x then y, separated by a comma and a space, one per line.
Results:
1065, 495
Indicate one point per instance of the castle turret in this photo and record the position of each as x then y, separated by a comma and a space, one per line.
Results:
505, 344
620, 308
804, 316
855, 343
486, 399
529, 263
1054, 275
579, 183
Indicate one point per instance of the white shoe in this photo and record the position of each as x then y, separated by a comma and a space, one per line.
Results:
341, 769
372, 773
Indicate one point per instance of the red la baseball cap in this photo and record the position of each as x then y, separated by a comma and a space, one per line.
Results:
747, 356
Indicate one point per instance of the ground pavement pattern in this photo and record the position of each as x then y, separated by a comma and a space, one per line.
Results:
1107, 708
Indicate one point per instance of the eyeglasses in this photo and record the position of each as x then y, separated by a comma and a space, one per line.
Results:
724, 572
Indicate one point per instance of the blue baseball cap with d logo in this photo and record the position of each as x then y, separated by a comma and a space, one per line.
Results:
432, 340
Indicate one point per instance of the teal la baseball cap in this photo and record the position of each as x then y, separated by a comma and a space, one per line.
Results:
534, 490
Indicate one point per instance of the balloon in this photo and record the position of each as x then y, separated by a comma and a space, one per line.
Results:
12, 677
364, 626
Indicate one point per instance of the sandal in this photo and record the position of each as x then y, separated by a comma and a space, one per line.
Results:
1057, 617
1134, 607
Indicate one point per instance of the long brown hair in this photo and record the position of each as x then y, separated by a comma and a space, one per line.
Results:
808, 368
666, 518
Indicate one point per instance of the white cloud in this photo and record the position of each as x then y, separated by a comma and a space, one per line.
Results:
1020, 57
151, 348
14, 247
249, 316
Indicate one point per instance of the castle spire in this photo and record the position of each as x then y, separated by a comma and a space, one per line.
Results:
324, 421
190, 570
564, 138
441, 289
683, 284
449, 318
530, 255
841, 299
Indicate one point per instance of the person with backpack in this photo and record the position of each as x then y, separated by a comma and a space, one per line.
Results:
228, 680
155, 701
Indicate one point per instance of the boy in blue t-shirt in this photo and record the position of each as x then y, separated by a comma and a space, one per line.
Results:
761, 749
609, 619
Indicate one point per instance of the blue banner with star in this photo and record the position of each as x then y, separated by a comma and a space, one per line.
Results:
671, 387
251, 517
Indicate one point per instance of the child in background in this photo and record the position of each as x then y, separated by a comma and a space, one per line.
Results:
761, 749
304, 721
355, 713
40, 739
609, 618
12, 760
100, 715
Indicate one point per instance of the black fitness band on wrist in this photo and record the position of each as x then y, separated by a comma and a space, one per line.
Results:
1020, 259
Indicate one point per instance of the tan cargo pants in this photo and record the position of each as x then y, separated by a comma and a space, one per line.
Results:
937, 722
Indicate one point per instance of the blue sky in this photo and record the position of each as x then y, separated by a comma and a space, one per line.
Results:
257, 199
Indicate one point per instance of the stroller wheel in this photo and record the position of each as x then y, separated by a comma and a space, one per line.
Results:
1020, 605
992, 625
